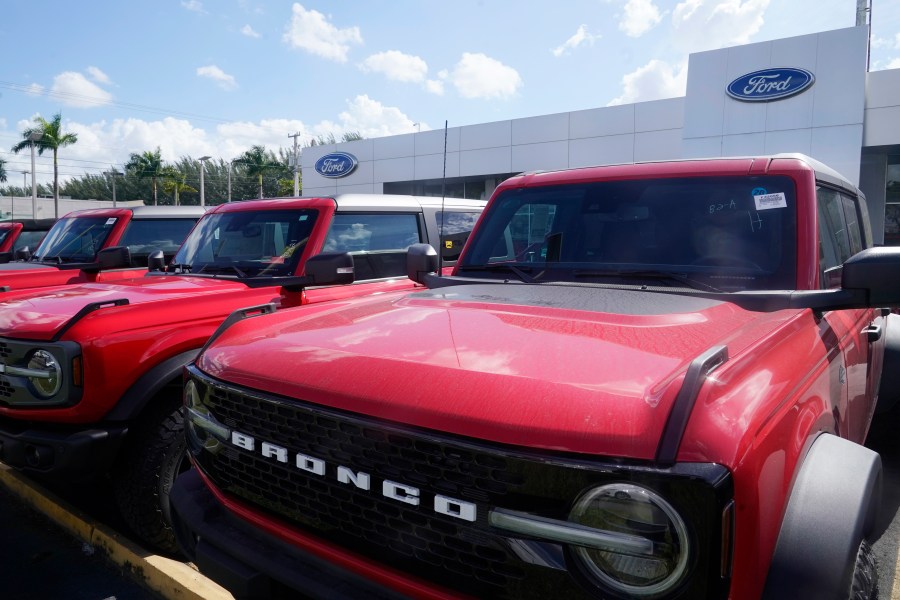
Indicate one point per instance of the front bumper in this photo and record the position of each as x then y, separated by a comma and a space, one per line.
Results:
250, 563
62, 455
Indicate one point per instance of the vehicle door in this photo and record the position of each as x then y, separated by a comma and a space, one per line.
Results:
857, 331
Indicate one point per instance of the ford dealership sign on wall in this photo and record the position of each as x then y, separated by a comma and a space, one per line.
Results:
336, 164
770, 84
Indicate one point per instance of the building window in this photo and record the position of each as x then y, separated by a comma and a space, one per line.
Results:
892, 203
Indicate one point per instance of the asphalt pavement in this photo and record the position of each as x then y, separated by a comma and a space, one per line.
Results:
40, 560
66, 541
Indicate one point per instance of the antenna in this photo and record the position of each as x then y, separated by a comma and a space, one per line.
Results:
440, 250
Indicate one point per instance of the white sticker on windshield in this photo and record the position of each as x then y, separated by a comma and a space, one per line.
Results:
767, 201
110, 220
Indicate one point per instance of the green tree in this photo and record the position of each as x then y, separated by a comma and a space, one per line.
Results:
147, 165
52, 138
2, 170
256, 162
174, 182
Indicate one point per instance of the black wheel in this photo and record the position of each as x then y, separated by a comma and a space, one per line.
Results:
865, 574
154, 456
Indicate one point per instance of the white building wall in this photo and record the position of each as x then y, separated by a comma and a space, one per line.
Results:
824, 121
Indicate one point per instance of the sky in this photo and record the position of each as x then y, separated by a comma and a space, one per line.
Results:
214, 77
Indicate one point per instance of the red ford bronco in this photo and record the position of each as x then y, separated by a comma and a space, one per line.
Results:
98, 244
21, 234
91, 375
642, 381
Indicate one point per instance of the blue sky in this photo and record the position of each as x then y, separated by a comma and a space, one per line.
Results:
213, 77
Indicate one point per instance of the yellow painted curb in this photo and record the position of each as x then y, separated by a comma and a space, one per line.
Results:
172, 579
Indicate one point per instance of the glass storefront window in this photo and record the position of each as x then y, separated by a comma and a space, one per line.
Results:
892, 203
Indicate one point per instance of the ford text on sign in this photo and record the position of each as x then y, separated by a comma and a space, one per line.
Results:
336, 164
770, 84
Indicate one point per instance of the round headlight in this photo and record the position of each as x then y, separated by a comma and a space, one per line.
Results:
629, 509
49, 381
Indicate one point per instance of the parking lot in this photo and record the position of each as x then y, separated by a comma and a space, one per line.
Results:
72, 533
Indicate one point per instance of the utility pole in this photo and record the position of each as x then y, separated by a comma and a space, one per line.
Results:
296, 164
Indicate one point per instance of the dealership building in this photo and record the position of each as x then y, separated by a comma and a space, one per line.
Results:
810, 94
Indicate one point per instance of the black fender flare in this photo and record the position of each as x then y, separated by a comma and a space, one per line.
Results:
149, 384
833, 506
889, 388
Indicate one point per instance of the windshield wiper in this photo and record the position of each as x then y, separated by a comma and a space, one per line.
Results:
214, 269
647, 274
522, 275
181, 267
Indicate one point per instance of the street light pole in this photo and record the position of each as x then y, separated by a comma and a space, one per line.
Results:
24, 185
34, 136
112, 175
202, 160
296, 178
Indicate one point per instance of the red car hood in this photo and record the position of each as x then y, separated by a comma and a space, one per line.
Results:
39, 314
575, 369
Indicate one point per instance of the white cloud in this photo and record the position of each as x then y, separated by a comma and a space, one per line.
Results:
653, 81
578, 38
479, 76
434, 86
111, 142
98, 75
223, 79
370, 118
640, 17
710, 24
894, 64
34, 89
309, 30
250, 32
396, 66
892, 44
193, 5
73, 89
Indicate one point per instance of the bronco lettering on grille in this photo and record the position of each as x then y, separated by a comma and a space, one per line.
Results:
400, 492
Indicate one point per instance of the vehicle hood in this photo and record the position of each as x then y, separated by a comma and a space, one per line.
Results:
41, 313
15, 268
581, 369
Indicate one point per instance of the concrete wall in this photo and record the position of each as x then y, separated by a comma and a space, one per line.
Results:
825, 121
616, 134
23, 206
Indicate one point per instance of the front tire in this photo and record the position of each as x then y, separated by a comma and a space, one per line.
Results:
865, 574
154, 456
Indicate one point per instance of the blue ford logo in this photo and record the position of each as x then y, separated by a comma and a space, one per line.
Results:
770, 84
336, 164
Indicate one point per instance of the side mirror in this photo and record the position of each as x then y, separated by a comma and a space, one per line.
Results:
116, 257
5, 257
330, 268
421, 259
874, 270
156, 261
23, 253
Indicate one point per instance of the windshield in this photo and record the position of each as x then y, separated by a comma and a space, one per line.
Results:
75, 239
248, 243
722, 233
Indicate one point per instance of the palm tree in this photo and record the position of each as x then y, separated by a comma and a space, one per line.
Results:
52, 138
175, 182
147, 165
2, 171
256, 161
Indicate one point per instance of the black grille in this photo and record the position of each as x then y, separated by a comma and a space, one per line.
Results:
466, 557
362, 519
6, 388
4, 350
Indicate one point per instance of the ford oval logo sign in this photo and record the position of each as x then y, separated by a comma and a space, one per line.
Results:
770, 84
336, 164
